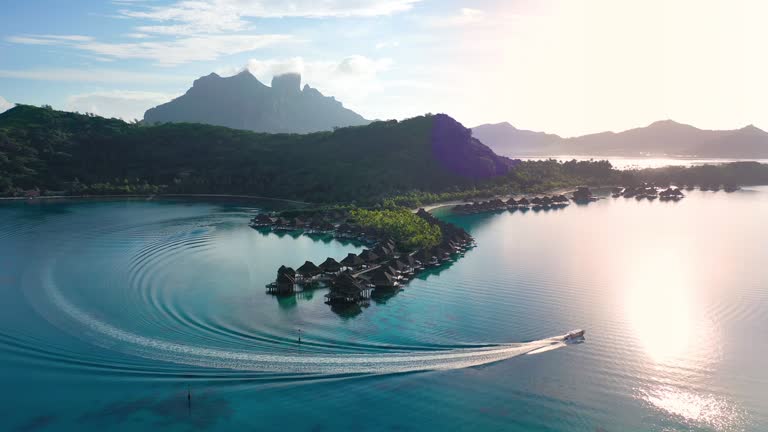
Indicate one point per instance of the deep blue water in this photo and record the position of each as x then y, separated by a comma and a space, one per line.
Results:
112, 310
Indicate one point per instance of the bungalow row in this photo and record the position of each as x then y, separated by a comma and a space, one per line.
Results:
524, 203
380, 268
310, 273
279, 223
354, 284
648, 191
319, 224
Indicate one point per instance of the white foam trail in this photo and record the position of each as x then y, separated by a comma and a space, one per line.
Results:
286, 363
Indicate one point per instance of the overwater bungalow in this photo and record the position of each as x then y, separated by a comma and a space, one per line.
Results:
330, 266
423, 257
383, 251
382, 279
441, 253
352, 262
261, 220
368, 256
409, 261
559, 201
583, 195
498, 204
347, 289
282, 223
326, 227
671, 194
298, 223
345, 230
308, 271
523, 202
284, 284
286, 270
387, 267
316, 221
400, 267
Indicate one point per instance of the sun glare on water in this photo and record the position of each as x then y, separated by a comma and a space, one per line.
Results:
666, 313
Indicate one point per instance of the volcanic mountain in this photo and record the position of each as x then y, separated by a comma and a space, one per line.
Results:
243, 102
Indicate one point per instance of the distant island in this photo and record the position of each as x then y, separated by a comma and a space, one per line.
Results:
409, 163
662, 138
243, 102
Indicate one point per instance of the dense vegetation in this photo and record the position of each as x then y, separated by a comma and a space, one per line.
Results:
50, 150
407, 229
407, 163
734, 173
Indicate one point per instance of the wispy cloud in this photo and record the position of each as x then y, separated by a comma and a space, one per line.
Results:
349, 68
194, 17
127, 105
137, 35
164, 53
466, 16
387, 44
351, 79
91, 75
44, 39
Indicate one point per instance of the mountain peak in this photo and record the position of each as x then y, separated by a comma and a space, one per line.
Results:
667, 122
752, 128
287, 82
245, 73
243, 102
210, 77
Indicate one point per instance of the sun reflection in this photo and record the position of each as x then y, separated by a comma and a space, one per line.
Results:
696, 409
662, 308
665, 305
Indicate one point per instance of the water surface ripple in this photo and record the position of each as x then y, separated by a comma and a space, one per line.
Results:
113, 309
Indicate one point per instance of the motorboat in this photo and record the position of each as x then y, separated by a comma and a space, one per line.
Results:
574, 335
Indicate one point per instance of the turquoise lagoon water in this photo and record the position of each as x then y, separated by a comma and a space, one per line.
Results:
113, 310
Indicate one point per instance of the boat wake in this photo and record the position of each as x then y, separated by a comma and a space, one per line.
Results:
108, 336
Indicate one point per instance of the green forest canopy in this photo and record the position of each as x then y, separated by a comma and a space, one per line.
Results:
407, 229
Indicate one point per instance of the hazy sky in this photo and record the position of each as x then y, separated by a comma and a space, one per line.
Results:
563, 66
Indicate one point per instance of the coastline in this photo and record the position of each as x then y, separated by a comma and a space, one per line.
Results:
442, 204
154, 196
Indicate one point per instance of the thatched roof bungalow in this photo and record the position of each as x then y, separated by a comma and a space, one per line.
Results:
383, 279
352, 261
262, 219
408, 260
308, 270
285, 283
368, 256
326, 226
383, 251
287, 270
282, 223
330, 266
346, 289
